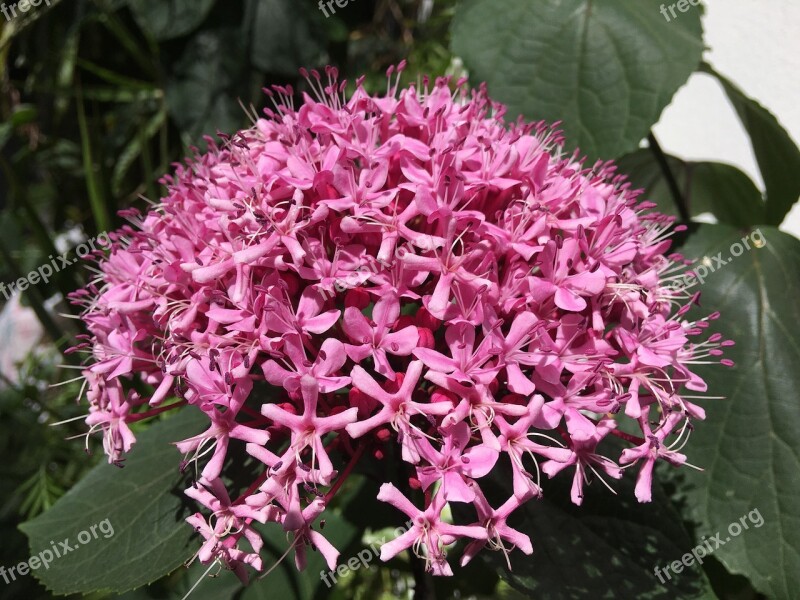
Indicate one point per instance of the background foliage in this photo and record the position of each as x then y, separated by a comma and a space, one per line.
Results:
99, 97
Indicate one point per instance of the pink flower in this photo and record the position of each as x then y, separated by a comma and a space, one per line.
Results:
585, 458
654, 448
112, 420
216, 439
560, 276
308, 429
515, 441
378, 340
307, 318
358, 274
497, 530
305, 536
329, 360
466, 363
226, 518
455, 464
398, 408
428, 536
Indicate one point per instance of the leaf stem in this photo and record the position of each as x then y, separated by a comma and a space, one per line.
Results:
156, 411
101, 217
672, 183
346, 473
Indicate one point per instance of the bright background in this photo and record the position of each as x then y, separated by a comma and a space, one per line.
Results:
755, 45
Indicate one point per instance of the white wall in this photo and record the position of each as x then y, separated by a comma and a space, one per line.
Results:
755, 44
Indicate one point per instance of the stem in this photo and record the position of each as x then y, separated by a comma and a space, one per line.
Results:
93, 187
252, 413
155, 411
346, 473
258, 422
672, 184
253, 487
628, 437
620, 434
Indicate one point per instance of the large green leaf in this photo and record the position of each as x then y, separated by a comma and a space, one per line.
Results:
166, 19
707, 187
285, 38
605, 68
607, 548
143, 505
749, 444
726, 192
202, 94
776, 153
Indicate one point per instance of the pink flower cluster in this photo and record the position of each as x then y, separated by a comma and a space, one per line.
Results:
399, 276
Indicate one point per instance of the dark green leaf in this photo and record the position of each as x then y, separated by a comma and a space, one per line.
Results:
644, 173
6, 131
203, 92
94, 187
23, 114
726, 192
607, 548
142, 503
748, 445
776, 153
285, 38
166, 19
723, 190
606, 69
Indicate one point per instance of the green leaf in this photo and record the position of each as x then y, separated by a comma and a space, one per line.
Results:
708, 187
134, 149
142, 503
605, 68
102, 219
207, 80
167, 19
285, 38
40, 492
776, 153
607, 548
23, 114
113, 78
726, 192
6, 131
748, 444
644, 173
